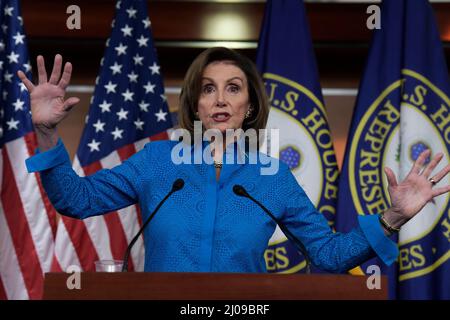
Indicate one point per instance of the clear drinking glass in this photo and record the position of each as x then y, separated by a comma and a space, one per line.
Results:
108, 265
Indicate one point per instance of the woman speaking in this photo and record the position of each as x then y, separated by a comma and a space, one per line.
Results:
211, 224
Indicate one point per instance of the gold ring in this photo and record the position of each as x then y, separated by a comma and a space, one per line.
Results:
432, 181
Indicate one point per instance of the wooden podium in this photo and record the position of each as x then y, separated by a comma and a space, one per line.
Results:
211, 286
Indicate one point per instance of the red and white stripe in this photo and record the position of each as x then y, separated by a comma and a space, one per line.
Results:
82, 242
27, 224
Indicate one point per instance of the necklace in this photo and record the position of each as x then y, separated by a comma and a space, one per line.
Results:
217, 165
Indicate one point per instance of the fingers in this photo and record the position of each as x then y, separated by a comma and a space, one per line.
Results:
441, 190
418, 164
70, 103
392, 180
56, 72
438, 176
67, 73
42, 73
433, 163
28, 84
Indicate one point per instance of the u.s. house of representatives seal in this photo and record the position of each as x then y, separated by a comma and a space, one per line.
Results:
306, 147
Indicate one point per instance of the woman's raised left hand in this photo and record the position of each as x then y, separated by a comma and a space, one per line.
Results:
417, 189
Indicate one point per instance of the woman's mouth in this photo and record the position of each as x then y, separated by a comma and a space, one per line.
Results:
221, 116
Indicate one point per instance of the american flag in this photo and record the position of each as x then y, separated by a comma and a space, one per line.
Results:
128, 109
27, 219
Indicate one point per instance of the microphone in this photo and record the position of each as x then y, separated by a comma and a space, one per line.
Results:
177, 185
240, 191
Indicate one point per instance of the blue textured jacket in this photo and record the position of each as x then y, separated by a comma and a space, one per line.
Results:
205, 227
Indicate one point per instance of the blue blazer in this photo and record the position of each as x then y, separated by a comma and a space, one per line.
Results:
205, 227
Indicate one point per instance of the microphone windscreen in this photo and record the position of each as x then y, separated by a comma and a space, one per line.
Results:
239, 190
178, 185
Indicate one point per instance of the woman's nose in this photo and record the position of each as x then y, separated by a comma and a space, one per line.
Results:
220, 99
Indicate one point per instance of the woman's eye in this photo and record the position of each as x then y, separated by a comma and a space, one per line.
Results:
234, 88
208, 88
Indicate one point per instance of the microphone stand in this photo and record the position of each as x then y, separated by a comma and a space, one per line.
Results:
240, 191
177, 185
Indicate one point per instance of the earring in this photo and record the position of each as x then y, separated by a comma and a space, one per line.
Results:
249, 112
196, 115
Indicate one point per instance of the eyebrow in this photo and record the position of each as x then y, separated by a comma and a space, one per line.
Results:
229, 80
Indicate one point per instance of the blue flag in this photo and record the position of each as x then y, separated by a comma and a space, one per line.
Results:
287, 63
402, 109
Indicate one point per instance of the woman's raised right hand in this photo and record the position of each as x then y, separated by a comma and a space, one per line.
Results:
48, 106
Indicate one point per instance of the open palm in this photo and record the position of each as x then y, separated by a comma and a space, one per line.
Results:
417, 189
48, 106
